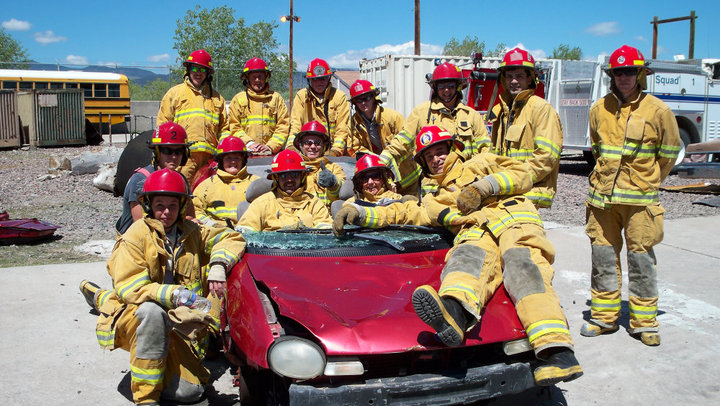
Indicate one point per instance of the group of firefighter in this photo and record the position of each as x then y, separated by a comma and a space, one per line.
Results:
437, 167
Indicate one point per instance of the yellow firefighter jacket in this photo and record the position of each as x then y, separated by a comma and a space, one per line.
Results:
333, 112
499, 212
462, 121
311, 186
217, 197
389, 123
260, 117
140, 258
528, 129
635, 145
276, 209
201, 114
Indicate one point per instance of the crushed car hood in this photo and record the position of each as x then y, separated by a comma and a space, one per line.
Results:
362, 305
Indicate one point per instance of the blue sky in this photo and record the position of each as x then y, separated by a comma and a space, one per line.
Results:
140, 33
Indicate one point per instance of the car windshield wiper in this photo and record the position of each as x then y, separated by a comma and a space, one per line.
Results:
376, 238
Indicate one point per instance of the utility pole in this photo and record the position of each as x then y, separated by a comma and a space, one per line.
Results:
417, 27
691, 47
291, 18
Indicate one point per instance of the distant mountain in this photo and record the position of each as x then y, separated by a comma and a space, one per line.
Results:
136, 75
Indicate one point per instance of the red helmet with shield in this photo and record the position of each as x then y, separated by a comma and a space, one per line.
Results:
169, 134
312, 128
361, 87
627, 57
202, 58
318, 68
431, 135
255, 65
286, 161
518, 58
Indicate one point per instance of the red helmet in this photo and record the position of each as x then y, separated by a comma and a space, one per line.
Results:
165, 182
369, 162
200, 57
312, 128
517, 57
286, 161
431, 135
627, 57
360, 87
169, 134
318, 68
255, 65
448, 71
231, 144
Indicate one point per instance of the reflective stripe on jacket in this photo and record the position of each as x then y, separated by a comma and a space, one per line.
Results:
528, 129
260, 117
201, 115
635, 146
307, 107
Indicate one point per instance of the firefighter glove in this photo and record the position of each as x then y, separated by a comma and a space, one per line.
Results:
472, 195
327, 179
346, 215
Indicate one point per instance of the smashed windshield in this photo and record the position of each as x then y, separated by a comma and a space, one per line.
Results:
357, 242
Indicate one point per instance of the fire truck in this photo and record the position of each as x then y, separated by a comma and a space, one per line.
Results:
690, 87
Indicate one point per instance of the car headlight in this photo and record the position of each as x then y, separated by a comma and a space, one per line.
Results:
516, 346
296, 357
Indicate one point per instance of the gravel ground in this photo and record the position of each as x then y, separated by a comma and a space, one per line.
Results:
86, 213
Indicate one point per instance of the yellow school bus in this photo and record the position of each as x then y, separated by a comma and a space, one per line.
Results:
107, 98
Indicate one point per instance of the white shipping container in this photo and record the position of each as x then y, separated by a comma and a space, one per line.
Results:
401, 78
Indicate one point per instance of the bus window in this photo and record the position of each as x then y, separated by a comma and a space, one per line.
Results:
26, 85
100, 90
6, 84
113, 90
41, 85
71, 85
87, 89
56, 85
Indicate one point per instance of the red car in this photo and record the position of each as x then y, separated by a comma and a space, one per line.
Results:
314, 319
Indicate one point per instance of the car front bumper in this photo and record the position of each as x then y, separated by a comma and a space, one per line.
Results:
453, 387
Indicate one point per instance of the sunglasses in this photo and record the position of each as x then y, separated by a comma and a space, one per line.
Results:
364, 99
375, 175
442, 86
309, 143
625, 72
171, 151
198, 69
289, 175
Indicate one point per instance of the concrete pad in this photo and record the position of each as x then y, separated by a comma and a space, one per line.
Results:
50, 353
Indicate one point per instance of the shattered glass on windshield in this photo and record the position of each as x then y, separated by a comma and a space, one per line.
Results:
324, 239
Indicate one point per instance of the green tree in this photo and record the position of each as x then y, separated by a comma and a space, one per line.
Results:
154, 90
469, 45
563, 51
230, 43
12, 54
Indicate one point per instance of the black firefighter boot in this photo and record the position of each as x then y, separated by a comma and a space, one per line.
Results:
445, 315
556, 365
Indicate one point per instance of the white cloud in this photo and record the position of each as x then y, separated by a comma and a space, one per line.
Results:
604, 29
48, 37
108, 64
536, 53
640, 38
158, 58
75, 60
352, 57
16, 25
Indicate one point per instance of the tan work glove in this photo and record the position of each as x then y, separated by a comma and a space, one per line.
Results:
473, 194
189, 322
346, 215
